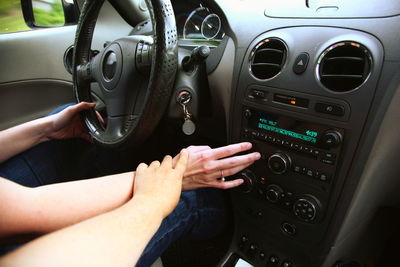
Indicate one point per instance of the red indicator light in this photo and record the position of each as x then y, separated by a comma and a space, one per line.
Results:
293, 102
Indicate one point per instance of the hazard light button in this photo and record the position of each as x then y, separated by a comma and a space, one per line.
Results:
300, 64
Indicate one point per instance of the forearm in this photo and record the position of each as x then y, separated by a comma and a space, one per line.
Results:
51, 207
116, 238
22, 137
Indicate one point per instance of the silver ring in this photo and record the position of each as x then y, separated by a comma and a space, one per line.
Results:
222, 176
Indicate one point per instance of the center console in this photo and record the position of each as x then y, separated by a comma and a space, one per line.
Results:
303, 106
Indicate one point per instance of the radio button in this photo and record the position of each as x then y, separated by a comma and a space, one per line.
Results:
322, 177
254, 134
246, 133
310, 173
328, 161
316, 153
297, 169
329, 156
331, 138
247, 113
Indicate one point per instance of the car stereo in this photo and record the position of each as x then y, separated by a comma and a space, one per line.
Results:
299, 160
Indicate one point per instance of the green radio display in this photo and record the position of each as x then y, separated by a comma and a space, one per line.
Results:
284, 126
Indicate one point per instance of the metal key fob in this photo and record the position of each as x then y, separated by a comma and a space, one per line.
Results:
188, 126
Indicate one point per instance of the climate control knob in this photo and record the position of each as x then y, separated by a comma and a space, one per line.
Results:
279, 163
248, 178
307, 208
273, 193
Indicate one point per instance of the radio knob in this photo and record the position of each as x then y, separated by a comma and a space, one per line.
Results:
331, 138
307, 208
273, 193
279, 163
247, 113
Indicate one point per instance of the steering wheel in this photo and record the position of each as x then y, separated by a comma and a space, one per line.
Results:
135, 100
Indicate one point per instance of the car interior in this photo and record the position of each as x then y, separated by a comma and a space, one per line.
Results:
312, 84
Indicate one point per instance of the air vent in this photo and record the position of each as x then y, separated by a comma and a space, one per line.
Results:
344, 66
267, 58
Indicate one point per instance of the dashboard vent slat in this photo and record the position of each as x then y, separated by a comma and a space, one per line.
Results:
344, 66
267, 58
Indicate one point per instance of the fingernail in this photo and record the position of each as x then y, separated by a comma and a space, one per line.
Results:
258, 155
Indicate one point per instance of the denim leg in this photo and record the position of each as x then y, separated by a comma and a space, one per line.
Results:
200, 214
61, 161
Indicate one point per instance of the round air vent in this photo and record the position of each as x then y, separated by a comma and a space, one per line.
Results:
344, 66
267, 58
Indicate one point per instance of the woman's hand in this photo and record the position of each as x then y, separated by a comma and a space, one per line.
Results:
206, 165
161, 183
68, 123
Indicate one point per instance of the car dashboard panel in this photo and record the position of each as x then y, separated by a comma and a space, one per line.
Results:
303, 87
307, 84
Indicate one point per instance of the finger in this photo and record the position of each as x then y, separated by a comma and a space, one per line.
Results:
182, 161
227, 172
100, 118
230, 150
83, 106
192, 150
225, 184
142, 167
87, 137
167, 162
155, 164
235, 161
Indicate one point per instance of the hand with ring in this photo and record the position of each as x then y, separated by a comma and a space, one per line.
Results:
208, 167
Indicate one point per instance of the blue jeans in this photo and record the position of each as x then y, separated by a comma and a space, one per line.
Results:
200, 214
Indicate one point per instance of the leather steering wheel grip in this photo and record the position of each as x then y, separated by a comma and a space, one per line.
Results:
164, 63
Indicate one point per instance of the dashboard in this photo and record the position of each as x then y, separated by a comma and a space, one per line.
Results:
309, 86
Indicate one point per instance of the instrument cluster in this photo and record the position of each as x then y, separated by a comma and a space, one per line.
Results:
197, 24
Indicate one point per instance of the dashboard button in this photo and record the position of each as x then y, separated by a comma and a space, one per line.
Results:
297, 169
300, 64
331, 109
328, 161
310, 173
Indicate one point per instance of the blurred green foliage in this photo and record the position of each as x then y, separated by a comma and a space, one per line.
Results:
50, 18
12, 20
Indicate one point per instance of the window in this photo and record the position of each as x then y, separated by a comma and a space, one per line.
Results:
11, 18
38, 14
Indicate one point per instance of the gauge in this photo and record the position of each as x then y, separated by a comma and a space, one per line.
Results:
202, 24
211, 26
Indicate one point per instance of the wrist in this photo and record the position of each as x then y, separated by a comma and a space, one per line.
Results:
150, 205
46, 126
